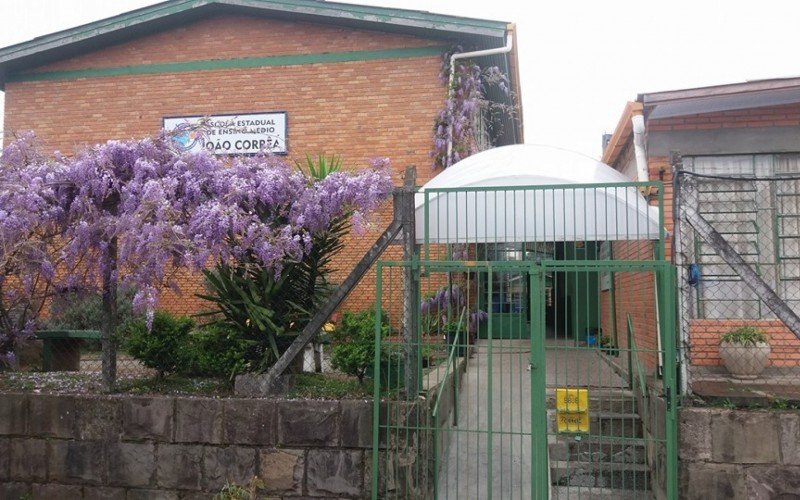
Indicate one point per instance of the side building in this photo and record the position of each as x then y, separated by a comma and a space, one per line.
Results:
738, 147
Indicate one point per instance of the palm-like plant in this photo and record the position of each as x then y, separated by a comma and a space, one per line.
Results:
267, 308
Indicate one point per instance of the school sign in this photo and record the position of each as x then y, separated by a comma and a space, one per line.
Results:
223, 135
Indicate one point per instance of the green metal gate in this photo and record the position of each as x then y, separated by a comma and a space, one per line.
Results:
548, 373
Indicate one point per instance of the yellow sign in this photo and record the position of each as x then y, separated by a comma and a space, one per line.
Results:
573, 422
572, 400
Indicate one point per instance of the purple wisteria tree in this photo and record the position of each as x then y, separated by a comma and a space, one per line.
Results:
133, 212
30, 218
455, 131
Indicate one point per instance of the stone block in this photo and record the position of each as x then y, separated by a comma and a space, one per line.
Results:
703, 481
152, 495
382, 485
51, 416
282, 470
77, 461
249, 421
5, 458
308, 423
790, 438
56, 491
770, 482
198, 420
98, 418
13, 414
694, 434
27, 459
179, 466
356, 424
745, 437
131, 464
234, 465
335, 472
103, 493
14, 490
147, 418
201, 495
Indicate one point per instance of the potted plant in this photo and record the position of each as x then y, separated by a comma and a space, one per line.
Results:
745, 352
608, 345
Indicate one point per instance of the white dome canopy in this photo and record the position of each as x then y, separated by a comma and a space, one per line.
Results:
500, 195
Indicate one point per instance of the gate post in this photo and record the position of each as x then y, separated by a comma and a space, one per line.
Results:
666, 281
540, 462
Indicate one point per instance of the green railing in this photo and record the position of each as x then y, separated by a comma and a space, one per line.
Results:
439, 393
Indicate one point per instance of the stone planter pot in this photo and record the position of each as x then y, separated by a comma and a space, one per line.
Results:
744, 362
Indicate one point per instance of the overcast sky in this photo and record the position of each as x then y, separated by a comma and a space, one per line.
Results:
581, 60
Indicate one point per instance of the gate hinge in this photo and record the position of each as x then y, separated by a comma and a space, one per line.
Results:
668, 397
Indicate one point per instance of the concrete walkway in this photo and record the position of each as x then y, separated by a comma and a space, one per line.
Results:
496, 394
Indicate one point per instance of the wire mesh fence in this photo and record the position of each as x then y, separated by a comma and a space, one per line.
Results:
737, 248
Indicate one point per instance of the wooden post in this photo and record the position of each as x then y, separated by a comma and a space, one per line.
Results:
321, 316
404, 211
403, 222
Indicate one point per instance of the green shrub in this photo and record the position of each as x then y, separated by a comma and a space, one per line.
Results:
219, 350
83, 310
354, 342
745, 335
164, 347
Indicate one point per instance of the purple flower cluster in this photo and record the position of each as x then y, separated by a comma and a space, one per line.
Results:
458, 119
449, 299
140, 209
30, 217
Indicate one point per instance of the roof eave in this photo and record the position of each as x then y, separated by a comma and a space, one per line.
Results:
175, 12
622, 133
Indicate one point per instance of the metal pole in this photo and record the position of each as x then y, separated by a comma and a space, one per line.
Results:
667, 285
376, 394
684, 291
109, 319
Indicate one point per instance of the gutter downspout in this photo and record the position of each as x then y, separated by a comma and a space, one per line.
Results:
643, 175
638, 148
466, 55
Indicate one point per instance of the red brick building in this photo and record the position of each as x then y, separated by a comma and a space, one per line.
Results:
730, 134
353, 81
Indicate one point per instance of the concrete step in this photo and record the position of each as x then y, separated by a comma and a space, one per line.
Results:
600, 474
594, 493
597, 448
607, 424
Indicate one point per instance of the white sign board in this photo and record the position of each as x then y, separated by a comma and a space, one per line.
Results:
244, 134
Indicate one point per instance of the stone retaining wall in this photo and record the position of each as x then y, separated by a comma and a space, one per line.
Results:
130, 447
739, 454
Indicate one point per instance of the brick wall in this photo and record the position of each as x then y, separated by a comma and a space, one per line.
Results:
774, 116
356, 110
635, 291
704, 336
634, 295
